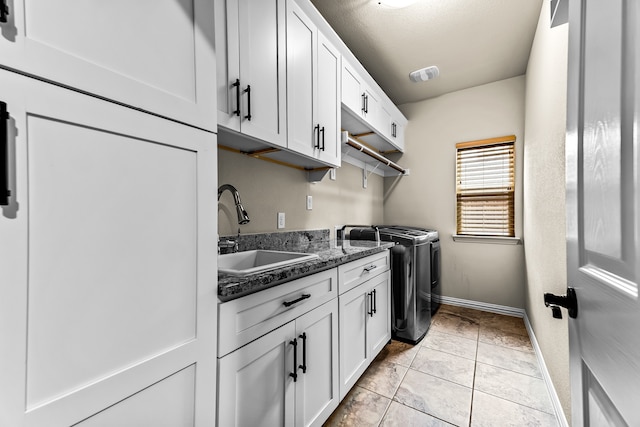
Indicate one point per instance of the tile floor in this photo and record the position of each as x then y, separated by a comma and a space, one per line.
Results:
473, 368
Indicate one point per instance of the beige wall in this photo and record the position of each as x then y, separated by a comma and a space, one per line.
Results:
267, 188
490, 273
544, 189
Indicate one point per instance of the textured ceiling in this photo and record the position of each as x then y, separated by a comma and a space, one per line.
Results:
473, 42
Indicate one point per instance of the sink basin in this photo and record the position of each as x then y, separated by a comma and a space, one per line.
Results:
251, 262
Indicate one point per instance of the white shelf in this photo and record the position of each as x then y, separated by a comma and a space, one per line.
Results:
360, 155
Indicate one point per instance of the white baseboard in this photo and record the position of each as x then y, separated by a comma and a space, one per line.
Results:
555, 400
483, 306
518, 312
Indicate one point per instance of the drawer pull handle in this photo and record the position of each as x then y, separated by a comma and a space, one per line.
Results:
5, 193
290, 303
370, 268
4, 11
237, 86
304, 352
375, 302
248, 92
294, 374
371, 311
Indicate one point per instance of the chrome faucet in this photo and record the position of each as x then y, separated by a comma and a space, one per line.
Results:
243, 216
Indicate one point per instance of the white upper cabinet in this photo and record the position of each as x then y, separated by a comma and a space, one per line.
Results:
251, 92
358, 97
155, 56
392, 126
368, 113
313, 67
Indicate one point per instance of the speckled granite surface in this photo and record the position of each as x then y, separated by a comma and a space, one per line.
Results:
329, 256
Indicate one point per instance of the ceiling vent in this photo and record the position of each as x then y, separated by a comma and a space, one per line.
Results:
424, 74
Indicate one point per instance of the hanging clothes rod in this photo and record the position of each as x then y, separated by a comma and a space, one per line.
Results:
352, 142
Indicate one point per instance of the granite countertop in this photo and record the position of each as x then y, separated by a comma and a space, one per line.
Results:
329, 256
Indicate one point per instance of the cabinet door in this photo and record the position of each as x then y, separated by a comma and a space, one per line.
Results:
328, 76
351, 89
302, 90
227, 64
262, 53
398, 139
371, 111
317, 390
379, 324
255, 386
108, 297
386, 123
354, 352
155, 55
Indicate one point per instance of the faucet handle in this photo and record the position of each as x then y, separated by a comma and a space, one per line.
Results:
227, 243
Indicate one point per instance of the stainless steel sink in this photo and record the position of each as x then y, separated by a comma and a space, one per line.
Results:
257, 261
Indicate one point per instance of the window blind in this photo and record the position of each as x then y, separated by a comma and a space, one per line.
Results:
485, 183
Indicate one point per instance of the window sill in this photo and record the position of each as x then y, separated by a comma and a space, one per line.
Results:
487, 239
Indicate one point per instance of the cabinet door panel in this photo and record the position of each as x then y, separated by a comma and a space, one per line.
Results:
116, 283
354, 354
302, 118
379, 325
155, 55
317, 390
255, 387
329, 100
227, 64
172, 399
261, 29
351, 91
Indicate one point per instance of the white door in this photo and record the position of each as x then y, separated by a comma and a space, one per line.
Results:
317, 391
256, 388
157, 55
108, 290
603, 196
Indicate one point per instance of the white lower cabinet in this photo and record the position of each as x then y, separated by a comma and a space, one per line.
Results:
292, 366
365, 327
287, 377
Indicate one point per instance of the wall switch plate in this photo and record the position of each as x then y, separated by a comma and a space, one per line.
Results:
332, 174
309, 203
364, 178
281, 220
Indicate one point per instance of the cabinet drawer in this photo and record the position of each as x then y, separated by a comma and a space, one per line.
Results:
356, 272
247, 318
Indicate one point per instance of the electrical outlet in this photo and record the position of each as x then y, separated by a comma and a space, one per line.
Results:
281, 220
332, 174
309, 203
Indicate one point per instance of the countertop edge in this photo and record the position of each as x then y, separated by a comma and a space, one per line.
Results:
232, 287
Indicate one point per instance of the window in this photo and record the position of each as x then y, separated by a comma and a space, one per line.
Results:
485, 183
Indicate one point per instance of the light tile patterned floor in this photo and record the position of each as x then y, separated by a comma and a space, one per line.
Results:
472, 369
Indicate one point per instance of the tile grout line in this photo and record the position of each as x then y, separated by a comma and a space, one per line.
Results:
475, 365
511, 370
